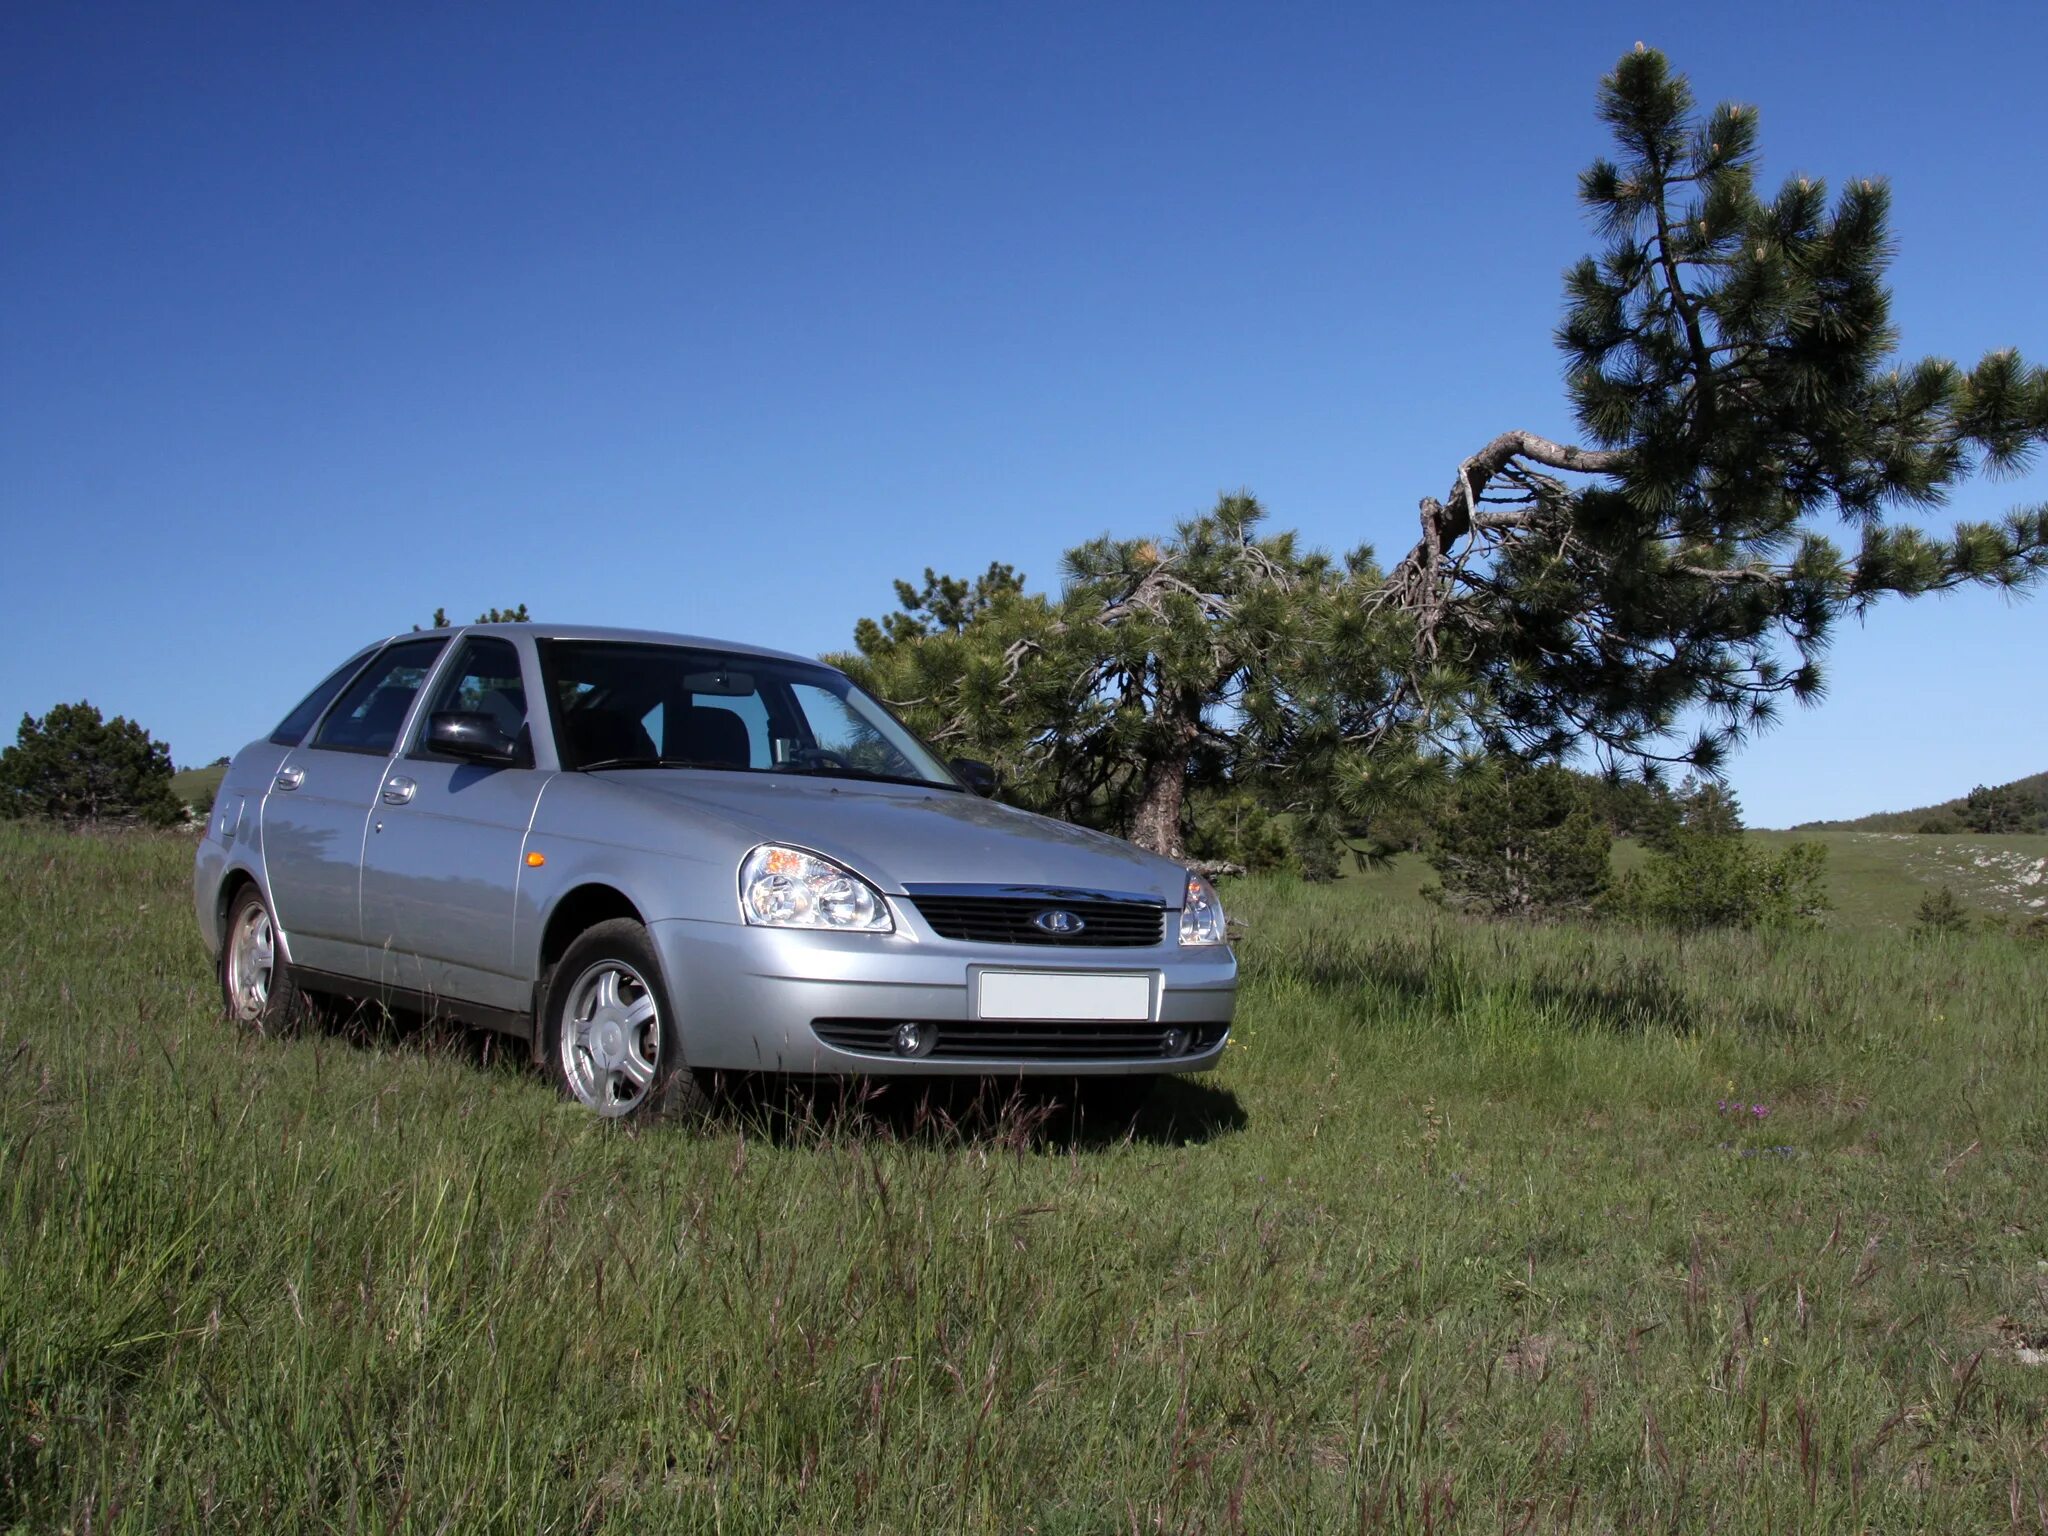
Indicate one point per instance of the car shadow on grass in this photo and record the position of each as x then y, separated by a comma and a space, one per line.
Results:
1037, 1113
1022, 1114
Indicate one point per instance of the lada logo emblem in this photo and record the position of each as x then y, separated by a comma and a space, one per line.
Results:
1057, 921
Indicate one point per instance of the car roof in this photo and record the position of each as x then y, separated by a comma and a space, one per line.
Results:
605, 632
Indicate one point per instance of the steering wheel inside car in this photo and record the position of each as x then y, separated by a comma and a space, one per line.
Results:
815, 757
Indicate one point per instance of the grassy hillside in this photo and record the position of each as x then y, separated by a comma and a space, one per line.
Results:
2034, 788
1875, 879
197, 785
1878, 878
1478, 1228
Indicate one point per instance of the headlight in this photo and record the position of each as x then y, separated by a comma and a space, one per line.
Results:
1201, 914
788, 888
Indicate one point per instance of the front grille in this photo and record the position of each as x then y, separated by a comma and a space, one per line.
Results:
1008, 920
1011, 1040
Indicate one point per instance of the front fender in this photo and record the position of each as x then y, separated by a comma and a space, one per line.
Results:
669, 865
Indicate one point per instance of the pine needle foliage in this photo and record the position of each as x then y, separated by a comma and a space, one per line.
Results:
1162, 666
1514, 841
1753, 437
1757, 462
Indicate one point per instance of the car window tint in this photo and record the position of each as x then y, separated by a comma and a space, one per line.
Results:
367, 717
291, 730
485, 680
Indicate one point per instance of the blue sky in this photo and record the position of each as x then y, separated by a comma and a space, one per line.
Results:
717, 319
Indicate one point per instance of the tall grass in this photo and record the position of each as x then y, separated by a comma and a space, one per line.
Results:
1471, 1233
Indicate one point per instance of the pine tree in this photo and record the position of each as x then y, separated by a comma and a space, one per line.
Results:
1941, 915
1991, 811
944, 605
488, 616
75, 767
1512, 841
1731, 361
1163, 665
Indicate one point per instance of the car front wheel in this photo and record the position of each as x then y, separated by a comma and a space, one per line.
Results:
613, 1044
255, 981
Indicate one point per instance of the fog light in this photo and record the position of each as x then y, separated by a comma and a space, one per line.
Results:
915, 1039
1174, 1042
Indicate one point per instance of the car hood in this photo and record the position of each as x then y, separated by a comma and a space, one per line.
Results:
900, 834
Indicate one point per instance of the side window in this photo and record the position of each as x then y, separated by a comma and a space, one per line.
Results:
838, 730
291, 730
485, 680
368, 716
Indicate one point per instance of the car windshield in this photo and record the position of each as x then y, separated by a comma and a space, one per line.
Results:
627, 704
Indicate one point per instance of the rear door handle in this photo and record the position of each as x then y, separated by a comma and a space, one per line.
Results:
398, 791
289, 778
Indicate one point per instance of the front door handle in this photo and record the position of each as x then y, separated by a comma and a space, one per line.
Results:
289, 778
399, 791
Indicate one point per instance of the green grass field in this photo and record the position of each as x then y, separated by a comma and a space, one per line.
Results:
1875, 879
1478, 1229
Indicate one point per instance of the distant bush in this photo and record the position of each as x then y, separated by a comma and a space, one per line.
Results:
1719, 880
1940, 914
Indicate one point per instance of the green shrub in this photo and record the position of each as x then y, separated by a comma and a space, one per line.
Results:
1716, 880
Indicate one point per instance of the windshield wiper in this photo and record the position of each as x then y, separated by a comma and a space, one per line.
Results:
828, 770
646, 762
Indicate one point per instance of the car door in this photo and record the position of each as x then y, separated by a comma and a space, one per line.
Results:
442, 857
319, 804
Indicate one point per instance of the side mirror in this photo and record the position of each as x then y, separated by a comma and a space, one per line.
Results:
473, 738
975, 775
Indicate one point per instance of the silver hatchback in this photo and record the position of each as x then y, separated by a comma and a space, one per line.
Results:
655, 857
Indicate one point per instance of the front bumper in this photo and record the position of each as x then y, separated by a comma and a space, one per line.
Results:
748, 999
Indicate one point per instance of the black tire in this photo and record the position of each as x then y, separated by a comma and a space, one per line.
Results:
259, 994
602, 1066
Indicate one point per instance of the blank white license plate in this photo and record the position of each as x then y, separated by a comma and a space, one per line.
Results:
1063, 995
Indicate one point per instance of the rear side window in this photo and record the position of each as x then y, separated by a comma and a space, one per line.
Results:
292, 729
368, 715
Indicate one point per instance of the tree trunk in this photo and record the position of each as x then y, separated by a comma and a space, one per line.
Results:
1156, 824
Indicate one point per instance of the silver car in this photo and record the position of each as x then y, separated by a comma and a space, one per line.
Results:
655, 857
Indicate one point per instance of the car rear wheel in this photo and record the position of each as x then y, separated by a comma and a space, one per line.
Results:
256, 983
612, 1039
